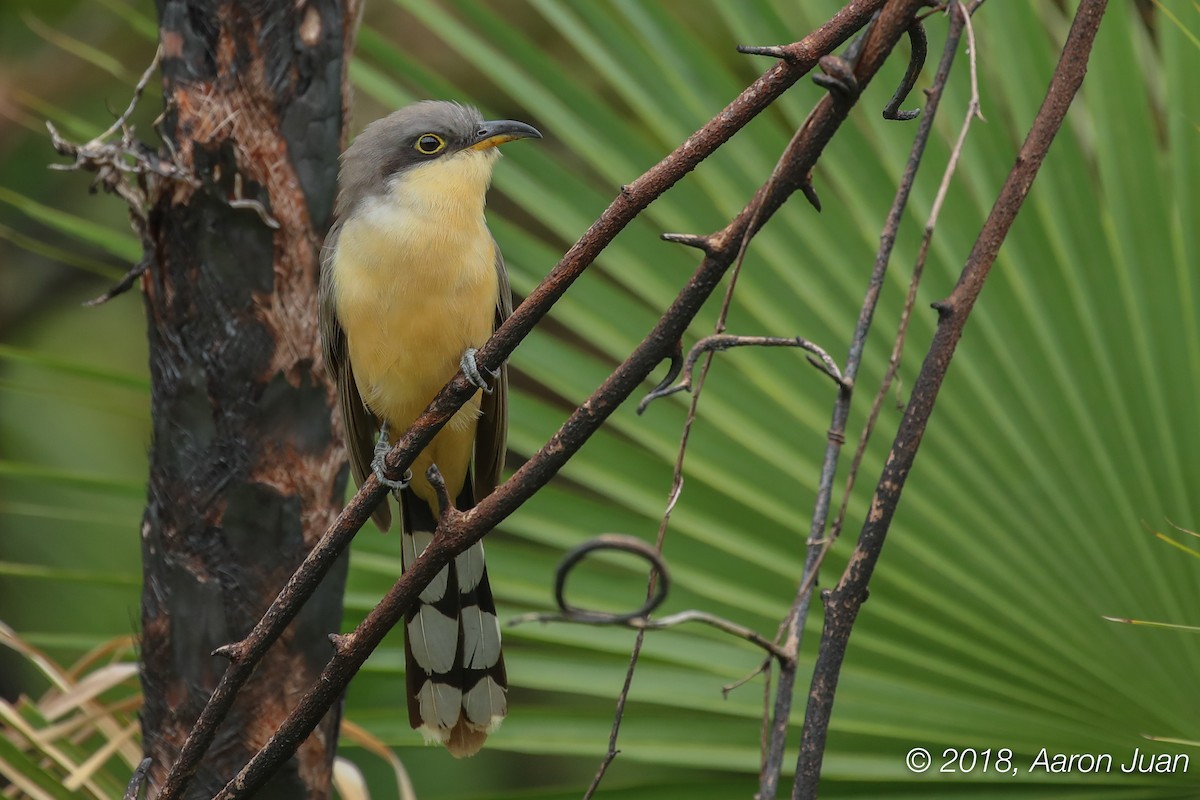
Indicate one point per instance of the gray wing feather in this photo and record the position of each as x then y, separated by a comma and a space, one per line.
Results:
361, 425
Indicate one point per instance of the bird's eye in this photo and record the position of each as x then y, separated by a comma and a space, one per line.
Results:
430, 143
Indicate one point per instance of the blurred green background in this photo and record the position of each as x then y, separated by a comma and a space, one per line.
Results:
1068, 418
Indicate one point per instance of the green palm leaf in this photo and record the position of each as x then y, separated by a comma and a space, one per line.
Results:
1068, 416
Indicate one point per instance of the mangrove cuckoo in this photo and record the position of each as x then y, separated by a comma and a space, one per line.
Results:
411, 284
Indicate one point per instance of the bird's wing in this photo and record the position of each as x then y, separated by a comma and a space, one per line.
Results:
491, 436
361, 425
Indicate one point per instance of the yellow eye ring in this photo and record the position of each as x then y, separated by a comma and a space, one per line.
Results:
429, 144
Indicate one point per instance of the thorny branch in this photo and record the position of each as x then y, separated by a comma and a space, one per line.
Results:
845, 600
791, 631
845, 86
460, 530
973, 112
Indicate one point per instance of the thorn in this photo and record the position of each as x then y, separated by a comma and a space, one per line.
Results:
772, 51
901, 116
231, 651
434, 476
341, 642
689, 240
134, 789
810, 194
920, 47
664, 387
837, 77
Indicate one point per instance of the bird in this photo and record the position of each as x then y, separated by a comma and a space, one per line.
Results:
412, 284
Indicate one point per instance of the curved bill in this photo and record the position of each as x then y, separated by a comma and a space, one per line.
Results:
496, 132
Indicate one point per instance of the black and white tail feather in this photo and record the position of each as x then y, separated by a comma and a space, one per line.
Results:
453, 664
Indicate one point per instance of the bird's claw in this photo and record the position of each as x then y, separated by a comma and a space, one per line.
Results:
471, 369
382, 446
378, 467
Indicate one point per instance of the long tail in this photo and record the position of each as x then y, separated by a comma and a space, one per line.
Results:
453, 664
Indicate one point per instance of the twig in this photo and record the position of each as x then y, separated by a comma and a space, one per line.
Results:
762, 669
910, 299
134, 789
625, 544
611, 753
721, 624
123, 285
844, 602
635, 652
792, 628
719, 342
535, 473
638, 619
112, 162
119, 123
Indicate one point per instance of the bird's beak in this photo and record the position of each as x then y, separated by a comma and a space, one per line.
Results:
497, 132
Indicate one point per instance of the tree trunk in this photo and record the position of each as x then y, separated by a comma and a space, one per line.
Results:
246, 466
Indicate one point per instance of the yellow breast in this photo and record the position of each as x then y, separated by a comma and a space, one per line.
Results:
415, 285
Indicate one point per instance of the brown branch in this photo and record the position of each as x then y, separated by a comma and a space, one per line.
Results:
634, 198
844, 602
124, 285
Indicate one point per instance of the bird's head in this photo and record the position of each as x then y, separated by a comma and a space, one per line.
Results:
433, 147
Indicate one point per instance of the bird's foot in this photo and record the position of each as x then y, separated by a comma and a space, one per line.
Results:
382, 446
471, 370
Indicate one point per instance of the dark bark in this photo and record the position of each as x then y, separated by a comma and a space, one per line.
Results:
246, 465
